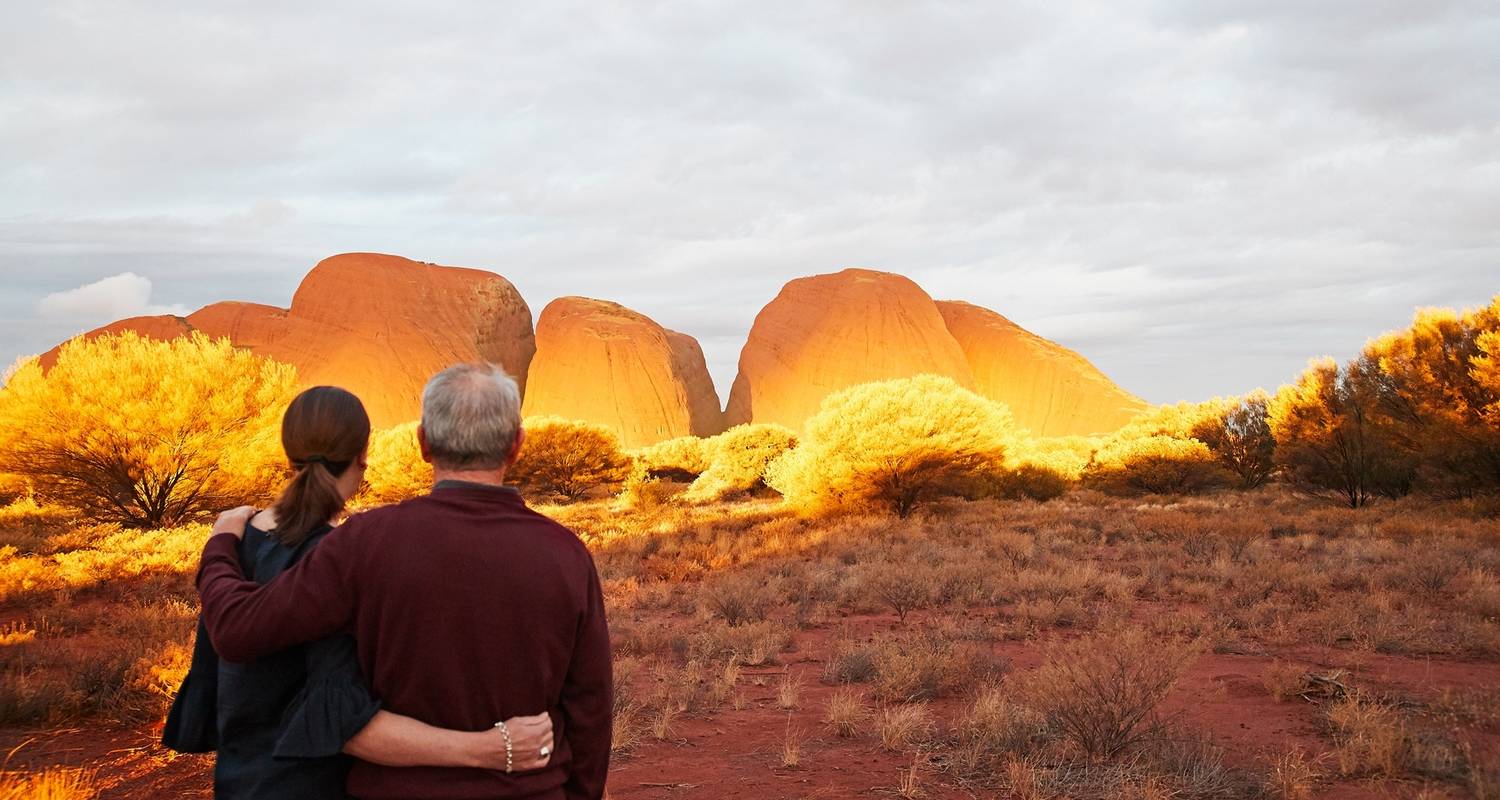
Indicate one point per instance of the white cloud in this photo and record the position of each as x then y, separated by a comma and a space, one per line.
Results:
104, 301
1196, 194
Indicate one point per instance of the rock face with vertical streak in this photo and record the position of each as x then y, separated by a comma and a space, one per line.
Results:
828, 332
1051, 390
377, 325
602, 362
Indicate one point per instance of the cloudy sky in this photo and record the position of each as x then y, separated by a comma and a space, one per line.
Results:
1198, 195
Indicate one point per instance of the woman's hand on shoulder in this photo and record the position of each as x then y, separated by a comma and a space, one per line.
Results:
233, 521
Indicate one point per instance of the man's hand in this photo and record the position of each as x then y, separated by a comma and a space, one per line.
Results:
528, 735
234, 521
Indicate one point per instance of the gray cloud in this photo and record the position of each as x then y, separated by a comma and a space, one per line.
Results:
1196, 195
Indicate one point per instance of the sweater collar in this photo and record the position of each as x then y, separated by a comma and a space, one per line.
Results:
508, 491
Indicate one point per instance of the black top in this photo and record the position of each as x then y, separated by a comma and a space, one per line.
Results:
279, 723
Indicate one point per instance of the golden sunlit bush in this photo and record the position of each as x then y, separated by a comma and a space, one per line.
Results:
395, 470
1432, 390
894, 443
117, 555
1329, 437
1029, 482
1486, 373
13, 487
569, 457
147, 433
737, 460
1240, 438
1064, 455
680, 459
1155, 464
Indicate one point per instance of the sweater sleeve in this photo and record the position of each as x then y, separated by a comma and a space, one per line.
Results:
313, 599
587, 701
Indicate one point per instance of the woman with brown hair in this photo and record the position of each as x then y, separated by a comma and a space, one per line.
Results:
283, 724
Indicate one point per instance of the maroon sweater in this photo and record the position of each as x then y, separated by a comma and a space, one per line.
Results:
467, 608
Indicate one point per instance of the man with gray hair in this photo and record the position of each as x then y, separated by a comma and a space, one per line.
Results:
466, 606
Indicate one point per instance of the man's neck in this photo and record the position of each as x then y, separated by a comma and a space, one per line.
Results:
488, 477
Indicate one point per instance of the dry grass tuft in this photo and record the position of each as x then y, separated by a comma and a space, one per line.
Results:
793, 745
903, 726
1293, 775
1369, 739
48, 784
788, 691
846, 713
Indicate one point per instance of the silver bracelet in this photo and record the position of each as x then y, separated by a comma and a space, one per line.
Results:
505, 731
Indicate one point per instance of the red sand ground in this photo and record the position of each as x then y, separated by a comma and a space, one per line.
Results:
737, 754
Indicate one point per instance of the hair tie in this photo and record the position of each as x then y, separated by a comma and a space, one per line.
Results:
315, 460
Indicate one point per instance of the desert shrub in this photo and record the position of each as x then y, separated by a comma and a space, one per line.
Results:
569, 457
899, 588
1155, 464
113, 556
1101, 692
1029, 482
681, 459
739, 598
924, 666
894, 443
396, 470
1330, 438
644, 493
13, 487
1431, 391
991, 731
737, 460
1240, 438
147, 433
1064, 455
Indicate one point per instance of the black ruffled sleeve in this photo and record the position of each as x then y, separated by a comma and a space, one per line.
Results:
192, 725
332, 707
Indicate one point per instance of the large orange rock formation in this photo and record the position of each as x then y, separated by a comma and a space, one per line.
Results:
602, 362
828, 332
1051, 390
377, 325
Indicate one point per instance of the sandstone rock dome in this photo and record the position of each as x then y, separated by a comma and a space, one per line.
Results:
1051, 390
378, 325
602, 362
828, 332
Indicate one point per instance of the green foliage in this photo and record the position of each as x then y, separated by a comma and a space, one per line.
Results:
894, 443
147, 433
737, 460
569, 457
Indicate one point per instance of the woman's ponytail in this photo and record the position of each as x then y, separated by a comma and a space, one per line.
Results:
310, 499
325, 431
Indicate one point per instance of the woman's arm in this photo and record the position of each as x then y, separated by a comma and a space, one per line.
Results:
397, 741
336, 711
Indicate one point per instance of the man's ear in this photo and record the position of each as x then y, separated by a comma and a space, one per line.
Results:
422, 444
515, 450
